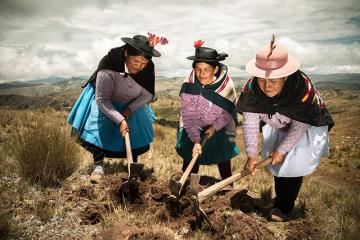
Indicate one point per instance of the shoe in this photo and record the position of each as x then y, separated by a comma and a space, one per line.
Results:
97, 174
277, 216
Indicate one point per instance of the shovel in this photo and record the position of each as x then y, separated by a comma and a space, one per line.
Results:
134, 170
204, 194
176, 186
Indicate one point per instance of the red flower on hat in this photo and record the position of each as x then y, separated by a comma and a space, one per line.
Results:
153, 40
198, 43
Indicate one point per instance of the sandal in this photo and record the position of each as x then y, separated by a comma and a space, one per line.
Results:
276, 215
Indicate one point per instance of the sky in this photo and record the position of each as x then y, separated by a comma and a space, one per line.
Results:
43, 38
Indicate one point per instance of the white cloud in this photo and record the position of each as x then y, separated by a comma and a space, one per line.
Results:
38, 40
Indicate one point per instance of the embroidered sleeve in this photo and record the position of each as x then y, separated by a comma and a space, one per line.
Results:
189, 115
105, 85
293, 135
251, 131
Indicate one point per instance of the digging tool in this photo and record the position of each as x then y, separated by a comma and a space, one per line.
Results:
204, 194
176, 186
194, 182
134, 169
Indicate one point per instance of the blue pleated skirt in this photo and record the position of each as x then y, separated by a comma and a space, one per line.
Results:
93, 126
221, 147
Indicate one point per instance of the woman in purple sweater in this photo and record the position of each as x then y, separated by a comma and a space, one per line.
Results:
283, 102
208, 100
115, 100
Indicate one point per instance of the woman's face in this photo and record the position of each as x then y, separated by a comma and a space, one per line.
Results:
271, 87
205, 72
135, 63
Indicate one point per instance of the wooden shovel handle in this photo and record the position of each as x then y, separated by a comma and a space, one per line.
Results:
220, 185
128, 148
192, 162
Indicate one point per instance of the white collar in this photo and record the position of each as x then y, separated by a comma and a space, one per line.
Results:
126, 69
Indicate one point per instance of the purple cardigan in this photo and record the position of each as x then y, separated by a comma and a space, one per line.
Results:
198, 112
294, 131
114, 87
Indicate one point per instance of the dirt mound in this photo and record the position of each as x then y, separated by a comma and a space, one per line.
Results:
125, 230
300, 229
93, 213
154, 196
225, 222
226, 211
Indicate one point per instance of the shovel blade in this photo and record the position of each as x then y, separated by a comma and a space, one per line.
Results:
135, 170
175, 187
194, 183
199, 211
130, 185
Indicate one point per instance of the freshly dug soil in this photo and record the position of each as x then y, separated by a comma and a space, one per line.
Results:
226, 210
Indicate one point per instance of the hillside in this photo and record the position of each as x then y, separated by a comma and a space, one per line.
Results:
327, 207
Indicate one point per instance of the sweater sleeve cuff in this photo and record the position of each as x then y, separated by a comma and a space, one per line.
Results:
118, 118
194, 135
282, 150
251, 153
194, 138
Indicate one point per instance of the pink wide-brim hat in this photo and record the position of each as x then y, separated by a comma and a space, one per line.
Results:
279, 64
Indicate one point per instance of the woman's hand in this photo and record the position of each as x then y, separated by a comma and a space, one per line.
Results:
250, 164
123, 128
276, 157
210, 131
196, 149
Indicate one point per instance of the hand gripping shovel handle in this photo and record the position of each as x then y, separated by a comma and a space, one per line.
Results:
192, 162
220, 185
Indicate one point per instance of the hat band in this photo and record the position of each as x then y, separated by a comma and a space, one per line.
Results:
143, 45
269, 64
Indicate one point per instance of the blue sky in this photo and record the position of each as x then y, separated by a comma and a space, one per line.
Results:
39, 39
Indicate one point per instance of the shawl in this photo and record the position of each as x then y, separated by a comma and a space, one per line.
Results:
115, 61
221, 92
298, 100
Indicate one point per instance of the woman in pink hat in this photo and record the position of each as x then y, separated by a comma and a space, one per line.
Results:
283, 102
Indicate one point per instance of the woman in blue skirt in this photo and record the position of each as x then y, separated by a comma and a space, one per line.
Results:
208, 100
115, 100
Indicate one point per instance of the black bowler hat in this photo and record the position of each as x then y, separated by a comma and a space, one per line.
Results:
205, 54
141, 43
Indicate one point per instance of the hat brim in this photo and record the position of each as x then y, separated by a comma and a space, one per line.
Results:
130, 41
202, 59
289, 68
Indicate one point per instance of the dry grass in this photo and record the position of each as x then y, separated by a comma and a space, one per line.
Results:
333, 208
329, 199
162, 156
42, 147
5, 226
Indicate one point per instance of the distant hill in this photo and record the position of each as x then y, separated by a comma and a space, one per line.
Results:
58, 80
25, 102
42, 87
332, 85
350, 81
338, 77
9, 85
61, 93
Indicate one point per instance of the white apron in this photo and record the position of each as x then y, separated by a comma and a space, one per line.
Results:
303, 158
